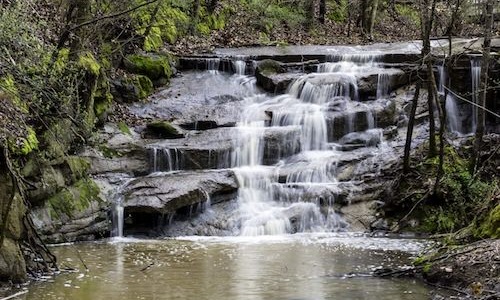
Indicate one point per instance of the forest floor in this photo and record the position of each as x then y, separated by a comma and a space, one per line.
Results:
244, 28
469, 271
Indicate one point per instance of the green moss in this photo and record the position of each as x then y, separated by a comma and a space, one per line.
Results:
61, 60
134, 88
163, 129
8, 86
124, 128
490, 228
24, 145
153, 41
426, 268
103, 98
109, 152
269, 67
152, 66
88, 62
74, 199
58, 138
78, 166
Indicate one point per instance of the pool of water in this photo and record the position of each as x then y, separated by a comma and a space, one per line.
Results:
302, 266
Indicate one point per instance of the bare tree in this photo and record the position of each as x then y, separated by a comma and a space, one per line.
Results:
484, 82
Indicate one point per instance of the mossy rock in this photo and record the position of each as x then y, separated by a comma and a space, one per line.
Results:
24, 145
162, 130
132, 88
103, 99
153, 66
491, 226
74, 199
58, 138
88, 62
269, 66
76, 168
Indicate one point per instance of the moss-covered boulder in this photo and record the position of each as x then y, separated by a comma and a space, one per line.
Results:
132, 88
267, 75
58, 139
162, 130
74, 199
154, 66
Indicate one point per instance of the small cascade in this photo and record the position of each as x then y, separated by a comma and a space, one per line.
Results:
239, 66
165, 160
117, 214
383, 86
213, 65
475, 69
452, 112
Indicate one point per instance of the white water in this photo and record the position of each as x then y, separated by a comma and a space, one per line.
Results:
118, 211
239, 66
165, 159
270, 207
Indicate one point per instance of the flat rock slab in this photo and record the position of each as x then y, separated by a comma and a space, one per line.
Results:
166, 192
210, 100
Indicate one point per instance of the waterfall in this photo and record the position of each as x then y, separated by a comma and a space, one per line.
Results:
165, 160
267, 204
475, 69
239, 66
118, 211
213, 65
452, 111
383, 86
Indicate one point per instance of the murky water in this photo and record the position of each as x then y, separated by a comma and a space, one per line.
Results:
321, 266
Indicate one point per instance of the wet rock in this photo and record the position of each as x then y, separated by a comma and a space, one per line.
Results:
276, 83
281, 142
162, 193
368, 81
355, 140
209, 149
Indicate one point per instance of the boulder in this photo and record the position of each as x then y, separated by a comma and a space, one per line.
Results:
131, 88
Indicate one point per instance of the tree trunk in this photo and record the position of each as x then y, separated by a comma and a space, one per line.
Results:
409, 132
373, 16
78, 13
484, 84
194, 15
426, 21
322, 11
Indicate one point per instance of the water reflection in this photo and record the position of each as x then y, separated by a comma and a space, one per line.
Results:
292, 267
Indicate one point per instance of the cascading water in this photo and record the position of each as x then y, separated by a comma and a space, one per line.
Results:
165, 160
268, 205
452, 112
475, 68
239, 66
118, 211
